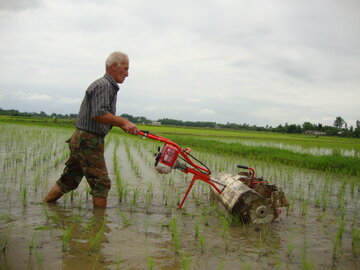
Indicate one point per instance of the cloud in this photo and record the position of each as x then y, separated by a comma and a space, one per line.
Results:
32, 96
18, 4
68, 101
207, 111
193, 100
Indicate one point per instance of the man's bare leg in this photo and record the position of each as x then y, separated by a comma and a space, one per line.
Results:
99, 202
54, 194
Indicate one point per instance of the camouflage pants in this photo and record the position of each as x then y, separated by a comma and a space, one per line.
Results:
86, 159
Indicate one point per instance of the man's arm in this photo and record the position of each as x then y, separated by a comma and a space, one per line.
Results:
110, 119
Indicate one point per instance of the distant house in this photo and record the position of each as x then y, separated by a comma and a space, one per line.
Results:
155, 123
314, 132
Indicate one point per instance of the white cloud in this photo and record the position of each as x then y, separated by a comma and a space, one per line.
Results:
68, 101
193, 100
32, 96
207, 111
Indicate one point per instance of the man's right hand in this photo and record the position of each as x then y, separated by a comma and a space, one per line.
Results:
130, 128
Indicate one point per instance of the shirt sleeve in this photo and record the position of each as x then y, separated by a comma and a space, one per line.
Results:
100, 101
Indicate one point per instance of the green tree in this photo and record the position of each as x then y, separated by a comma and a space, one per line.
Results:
339, 122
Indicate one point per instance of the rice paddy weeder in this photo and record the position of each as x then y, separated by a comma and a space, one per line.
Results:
251, 199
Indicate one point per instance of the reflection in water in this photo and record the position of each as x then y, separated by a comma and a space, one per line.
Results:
86, 231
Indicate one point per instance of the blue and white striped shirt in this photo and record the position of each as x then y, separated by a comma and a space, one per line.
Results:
100, 99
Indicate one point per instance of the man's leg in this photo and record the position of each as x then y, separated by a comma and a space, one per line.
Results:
99, 202
54, 194
95, 170
71, 176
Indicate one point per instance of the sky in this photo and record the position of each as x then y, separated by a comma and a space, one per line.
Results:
257, 62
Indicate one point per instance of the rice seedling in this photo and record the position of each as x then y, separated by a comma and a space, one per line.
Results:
66, 237
202, 242
94, 267
24, 195
304, 207
32, 243
290, 248
175, 234
197, 229
185, 261
337, 239
39, 259
149, 197
225, 231
118, 262
96, 238
5, 237
355, 241
65, 198
135, 195
150, 262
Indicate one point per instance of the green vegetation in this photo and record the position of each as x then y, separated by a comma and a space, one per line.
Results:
142, 216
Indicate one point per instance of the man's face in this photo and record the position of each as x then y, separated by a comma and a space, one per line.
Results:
121, 71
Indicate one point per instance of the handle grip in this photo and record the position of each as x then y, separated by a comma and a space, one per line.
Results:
243, 167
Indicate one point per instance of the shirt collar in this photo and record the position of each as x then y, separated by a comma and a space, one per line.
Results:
112, 81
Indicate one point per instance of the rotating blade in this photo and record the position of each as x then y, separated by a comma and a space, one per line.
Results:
261, 212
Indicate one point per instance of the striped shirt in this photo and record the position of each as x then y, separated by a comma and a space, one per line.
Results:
100, 99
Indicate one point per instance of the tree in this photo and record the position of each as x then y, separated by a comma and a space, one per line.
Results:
339, 122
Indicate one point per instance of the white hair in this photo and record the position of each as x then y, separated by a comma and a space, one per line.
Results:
115, 57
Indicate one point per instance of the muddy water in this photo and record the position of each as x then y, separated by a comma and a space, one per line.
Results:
145, 229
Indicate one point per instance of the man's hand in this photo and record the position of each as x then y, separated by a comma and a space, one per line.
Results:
124, 124
130, 128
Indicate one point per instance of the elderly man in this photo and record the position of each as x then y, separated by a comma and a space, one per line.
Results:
95, 120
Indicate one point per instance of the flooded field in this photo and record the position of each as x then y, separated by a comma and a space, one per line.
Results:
142, 227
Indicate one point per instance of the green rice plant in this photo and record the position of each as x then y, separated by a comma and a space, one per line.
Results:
150, 262
337, 240
96, 238
24, 195
118, 262
355, 243
39, 259
197, 229
175, 234
225, 231
125, 220
5, 237
304, 207
32, 243
87, 191
79, 199
305, 263
66, 237
94, 267
66, 198
135, 195
149, 197
36, 181
290, 248
202, 242
185, 261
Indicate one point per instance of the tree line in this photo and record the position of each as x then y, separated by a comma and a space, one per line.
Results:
339, 127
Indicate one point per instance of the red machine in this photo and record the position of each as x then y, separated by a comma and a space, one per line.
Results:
252, 199
167, 159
